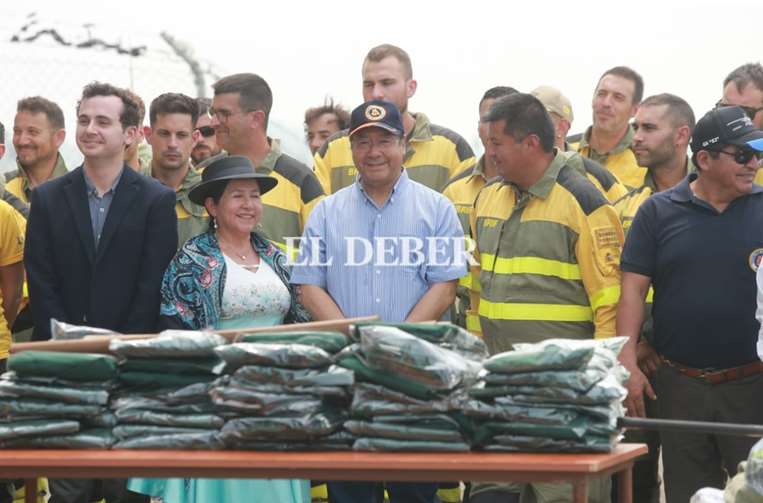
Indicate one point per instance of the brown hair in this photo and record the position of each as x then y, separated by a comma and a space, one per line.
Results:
40, 105
380, 52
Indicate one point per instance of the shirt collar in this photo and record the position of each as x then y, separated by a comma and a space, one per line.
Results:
682, 192
399, 186
91, 190
58, 170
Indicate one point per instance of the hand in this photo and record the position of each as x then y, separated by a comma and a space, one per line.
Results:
637, 386
647, 357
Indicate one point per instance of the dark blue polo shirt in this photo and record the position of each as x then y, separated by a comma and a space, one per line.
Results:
702, 264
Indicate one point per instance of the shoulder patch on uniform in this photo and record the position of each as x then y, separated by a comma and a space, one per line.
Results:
11, 175
331, 139
300, 175
585, 193
602, 174
463, 150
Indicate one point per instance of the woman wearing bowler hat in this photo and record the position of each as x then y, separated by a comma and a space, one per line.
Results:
228, 277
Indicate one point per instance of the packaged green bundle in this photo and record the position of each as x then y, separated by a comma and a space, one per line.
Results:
208, 365
352, 360
88, 439
36, 427
169, 344
260, 404
68, 366
443, 334
394, 351
180, 441
32, 407
107, 420
580, 381
293, 356
16, 389
522, 413
402, 432
281, 428
392, 445
337, 441
331, 342
605, 391
372, 400
435, 421
159, 405
332, 376
604, 412
552, 354
337, 392
153, 380
124, 431
142, 416
519, 443
578, 429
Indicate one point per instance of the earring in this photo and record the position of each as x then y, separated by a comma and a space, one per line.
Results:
214, 223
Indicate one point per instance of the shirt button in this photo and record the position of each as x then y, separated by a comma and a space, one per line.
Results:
378, 300
100, 209
378, 271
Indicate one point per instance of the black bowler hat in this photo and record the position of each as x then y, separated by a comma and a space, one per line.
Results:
377, 113
232, 167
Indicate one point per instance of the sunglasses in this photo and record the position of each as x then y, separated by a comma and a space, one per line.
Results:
751, 112
206, 131
743, 155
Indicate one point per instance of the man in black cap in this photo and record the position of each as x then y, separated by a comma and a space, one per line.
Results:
699, 244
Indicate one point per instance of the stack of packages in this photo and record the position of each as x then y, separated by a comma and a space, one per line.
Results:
163, 399
284, 393
559, 395
57, 400
413, 382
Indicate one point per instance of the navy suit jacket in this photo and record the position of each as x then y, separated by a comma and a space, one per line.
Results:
115, 286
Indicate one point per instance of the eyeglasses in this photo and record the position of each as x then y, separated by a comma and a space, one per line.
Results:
743, 155
206, 131
751, 112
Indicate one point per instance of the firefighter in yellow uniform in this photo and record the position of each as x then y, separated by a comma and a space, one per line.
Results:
462, 190
547, 249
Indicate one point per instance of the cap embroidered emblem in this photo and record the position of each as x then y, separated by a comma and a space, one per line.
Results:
375, 113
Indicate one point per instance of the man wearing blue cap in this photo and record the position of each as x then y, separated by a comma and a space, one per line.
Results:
699, 245
380, 259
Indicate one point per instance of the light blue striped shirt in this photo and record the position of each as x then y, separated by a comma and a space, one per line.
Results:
395, 278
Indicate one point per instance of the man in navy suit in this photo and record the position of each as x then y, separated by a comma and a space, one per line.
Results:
98, 241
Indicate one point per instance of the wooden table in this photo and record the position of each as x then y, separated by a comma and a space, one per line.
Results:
472, 466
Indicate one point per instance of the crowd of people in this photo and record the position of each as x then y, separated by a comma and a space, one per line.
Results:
647, 226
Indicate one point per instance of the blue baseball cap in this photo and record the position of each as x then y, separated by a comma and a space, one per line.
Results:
377, 113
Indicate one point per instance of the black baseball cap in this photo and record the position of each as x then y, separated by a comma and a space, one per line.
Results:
726, 126
377, 113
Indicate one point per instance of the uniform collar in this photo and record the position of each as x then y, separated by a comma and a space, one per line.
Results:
421, 132
649, 179
542, 188
682, 192
268, 164
191, 178
623, 145
478, 169
58, 170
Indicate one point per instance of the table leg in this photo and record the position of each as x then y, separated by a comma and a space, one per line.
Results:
30, 491
580, 491
625, 485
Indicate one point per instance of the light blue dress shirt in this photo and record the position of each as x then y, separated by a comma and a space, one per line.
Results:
382, 259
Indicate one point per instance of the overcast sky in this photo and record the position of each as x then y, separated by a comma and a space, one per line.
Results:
309, 50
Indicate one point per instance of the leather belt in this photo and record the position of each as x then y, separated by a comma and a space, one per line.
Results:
717, 376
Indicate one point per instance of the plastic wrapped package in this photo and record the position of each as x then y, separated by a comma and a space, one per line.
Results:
519, 443
551, 354
402, 431
605, 391
258, 403
331, 376
524, 413
65, 331
15, 389
282, 428
181, 441
193, 393
193, 366
88, 439
389, 444
580, 381
329, 341
293, 356
124, 431
443, 334
392, 350
61, 383
578, 429
153, 380
159, 405
169, 344
336, 392
106, 420
30, 407
605, 412
338, 441
142, 416
372, 400
36, 427
67, 366
351, 359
